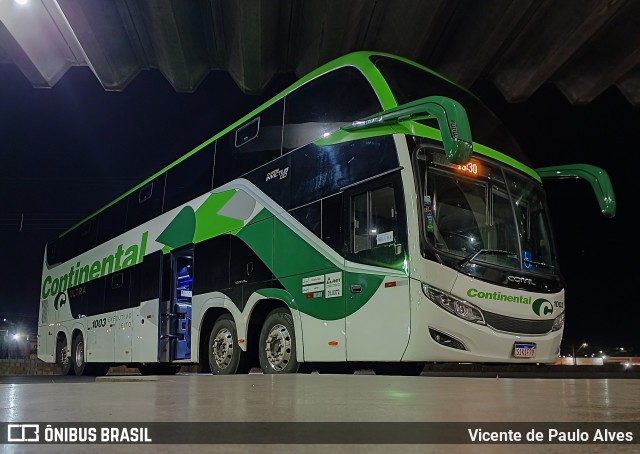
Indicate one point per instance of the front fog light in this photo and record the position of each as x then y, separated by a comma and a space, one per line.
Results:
558, 323
460, 308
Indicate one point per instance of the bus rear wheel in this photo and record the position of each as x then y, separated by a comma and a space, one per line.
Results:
225, 355
62, 357
278, 344
77, 355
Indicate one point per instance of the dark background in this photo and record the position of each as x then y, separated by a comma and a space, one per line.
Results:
68, 150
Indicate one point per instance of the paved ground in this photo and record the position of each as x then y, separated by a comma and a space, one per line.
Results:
517, 403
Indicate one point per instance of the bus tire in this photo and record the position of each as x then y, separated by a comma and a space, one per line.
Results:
277, 346
77, 355
62, 358
225, 355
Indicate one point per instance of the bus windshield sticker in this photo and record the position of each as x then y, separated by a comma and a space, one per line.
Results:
382, 238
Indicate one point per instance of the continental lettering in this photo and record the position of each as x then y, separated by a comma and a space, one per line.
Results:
498, 296
85, 272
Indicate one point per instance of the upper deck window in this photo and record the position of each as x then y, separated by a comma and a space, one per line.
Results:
326, 103
409, 83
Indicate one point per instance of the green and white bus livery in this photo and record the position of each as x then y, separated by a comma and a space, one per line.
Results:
349, 220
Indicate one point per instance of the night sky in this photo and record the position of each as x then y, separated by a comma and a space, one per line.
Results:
67, 151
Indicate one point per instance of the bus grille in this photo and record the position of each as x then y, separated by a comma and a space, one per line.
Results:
517, 325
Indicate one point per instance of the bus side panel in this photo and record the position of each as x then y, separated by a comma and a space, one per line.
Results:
145, 320
304, 272
123, 327
100, 338
46, 332
379, 320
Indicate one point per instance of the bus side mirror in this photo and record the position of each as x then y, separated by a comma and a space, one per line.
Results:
597, 177
452, 122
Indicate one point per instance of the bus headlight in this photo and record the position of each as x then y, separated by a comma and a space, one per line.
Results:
457, 307
558, 323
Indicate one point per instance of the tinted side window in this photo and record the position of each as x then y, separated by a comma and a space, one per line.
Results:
309, 216
86, 235
332, 223
77, 241
146, 202
246, 266
147, 278
275, 180
325, 104
324, 219
249, 146
318, 172
189, 179
211, 265
78, 300
113, 221
52, 252
116, 292
95, 296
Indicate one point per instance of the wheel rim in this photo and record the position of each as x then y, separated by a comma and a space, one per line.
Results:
79, 354
278, 347
64, 359
222, 348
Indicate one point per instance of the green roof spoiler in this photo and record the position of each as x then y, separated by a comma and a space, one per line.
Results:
597, 177
452, 122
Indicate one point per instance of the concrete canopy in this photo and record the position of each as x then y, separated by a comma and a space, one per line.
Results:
581, 46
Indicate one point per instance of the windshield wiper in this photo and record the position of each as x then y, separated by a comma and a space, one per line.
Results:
540, 264
466, 260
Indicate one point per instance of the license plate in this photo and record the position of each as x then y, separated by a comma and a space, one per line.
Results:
524, 350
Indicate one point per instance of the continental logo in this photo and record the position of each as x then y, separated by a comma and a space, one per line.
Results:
84, 272
541, 307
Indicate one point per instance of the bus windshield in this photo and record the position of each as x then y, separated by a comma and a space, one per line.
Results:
483, 213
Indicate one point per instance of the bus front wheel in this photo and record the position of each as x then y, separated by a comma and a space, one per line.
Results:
278, 344
225, 355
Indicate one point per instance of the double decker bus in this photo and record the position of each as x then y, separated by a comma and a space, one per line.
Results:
350, 220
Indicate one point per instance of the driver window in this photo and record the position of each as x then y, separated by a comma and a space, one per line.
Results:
376, 227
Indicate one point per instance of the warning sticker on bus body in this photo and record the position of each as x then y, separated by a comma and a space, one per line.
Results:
333, 284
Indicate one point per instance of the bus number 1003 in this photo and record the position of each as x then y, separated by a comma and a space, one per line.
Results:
100, 323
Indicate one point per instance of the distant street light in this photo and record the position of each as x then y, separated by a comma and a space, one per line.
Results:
584, 344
